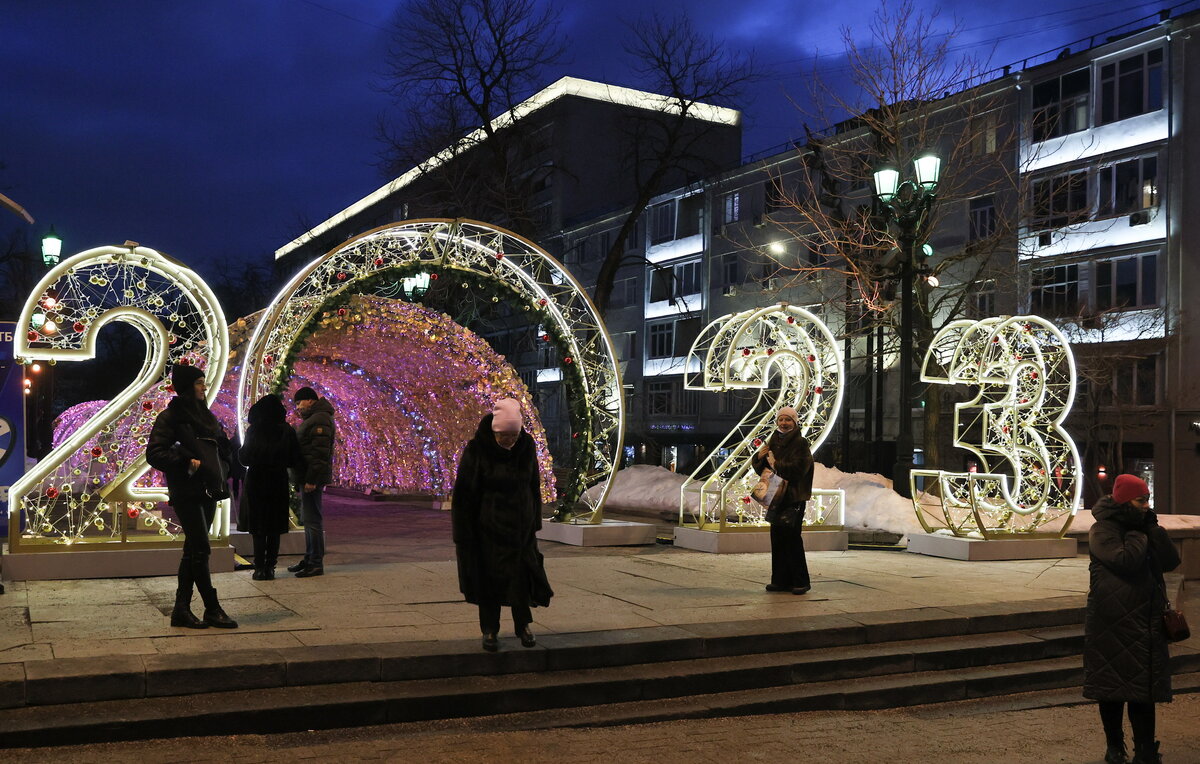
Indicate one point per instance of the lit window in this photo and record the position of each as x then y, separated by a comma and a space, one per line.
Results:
1129, 186
1060, 105
1131, 86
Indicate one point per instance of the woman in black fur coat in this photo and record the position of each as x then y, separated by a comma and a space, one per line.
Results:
270, 450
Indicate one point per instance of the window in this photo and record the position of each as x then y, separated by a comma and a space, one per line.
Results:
624, 345
1060, 105
540, 216
730, 273
691, 215
675, 281
634, 239
733, 207
774, 196
1136, 383
1129, 186
603, 242
983, 135
658, 398
982, 211
1128, 282
982, 301
624, 294
661, 342
1060, 200
1055, 291
662, 222
1131, 86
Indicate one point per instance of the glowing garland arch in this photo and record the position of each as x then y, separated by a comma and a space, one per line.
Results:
1024, 372
486, 251
91, 475
750, 350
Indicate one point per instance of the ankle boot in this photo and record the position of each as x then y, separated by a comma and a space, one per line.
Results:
182, 616
213, 614
1146, 753
1116, 755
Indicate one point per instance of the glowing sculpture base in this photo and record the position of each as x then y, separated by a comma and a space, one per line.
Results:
291, 542
605, 533
92, 562
973, 550
757, 540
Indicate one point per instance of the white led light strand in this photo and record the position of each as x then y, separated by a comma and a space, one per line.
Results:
1027, 482
792, 359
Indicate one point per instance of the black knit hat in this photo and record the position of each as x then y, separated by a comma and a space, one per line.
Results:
183, 377
304, 394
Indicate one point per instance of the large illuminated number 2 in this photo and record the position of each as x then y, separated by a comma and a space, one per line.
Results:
792, 358
68, 495
1027, 477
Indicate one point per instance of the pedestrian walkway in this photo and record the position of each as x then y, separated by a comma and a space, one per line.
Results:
391, 577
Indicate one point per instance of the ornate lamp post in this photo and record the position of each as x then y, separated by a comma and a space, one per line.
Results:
51, 248
907, 205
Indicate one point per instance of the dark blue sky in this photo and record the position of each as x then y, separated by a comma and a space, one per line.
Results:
222, 128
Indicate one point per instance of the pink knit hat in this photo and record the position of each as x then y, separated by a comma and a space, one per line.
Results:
789, 411
1129, 487
506, 416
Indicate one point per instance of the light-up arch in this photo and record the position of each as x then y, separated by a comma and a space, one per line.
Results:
538, 282
1027, 483
792, 359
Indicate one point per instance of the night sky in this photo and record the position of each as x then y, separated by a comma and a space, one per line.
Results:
215, 129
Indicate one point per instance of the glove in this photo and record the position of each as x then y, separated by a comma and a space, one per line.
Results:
1150, 518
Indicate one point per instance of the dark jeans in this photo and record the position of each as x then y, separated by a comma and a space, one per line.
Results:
314, 527
489, 617
195, 517
789, 569
1141, 719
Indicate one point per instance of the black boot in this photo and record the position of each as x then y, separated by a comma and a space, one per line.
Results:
182, 616
213, 614
1116, 755
1146, 753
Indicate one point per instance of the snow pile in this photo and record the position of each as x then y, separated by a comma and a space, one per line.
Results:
870, 501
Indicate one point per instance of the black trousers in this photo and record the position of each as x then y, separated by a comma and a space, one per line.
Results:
789, 568
195, 516
489, 617
266, 550
1141, 719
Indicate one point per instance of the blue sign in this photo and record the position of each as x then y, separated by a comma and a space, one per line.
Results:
12, 417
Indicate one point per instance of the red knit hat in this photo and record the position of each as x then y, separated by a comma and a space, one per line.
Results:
1128, 487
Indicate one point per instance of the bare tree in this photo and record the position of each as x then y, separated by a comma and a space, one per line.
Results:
691, 71
453, 66
906, 91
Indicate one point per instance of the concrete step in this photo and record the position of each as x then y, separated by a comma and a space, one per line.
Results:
851, 677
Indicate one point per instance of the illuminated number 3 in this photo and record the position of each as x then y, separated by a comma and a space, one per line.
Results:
1026, 481
83, 490
792, 359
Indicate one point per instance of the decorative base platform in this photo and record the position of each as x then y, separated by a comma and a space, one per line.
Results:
291, 542
956, 548
742, 542
108, 563
606, 533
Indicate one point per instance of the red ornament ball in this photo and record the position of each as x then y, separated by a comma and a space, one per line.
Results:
433, 276
379, 261
147, 405
745, 351
542, 301
97, 451
341, 276
79, 326
818, 390
499, 255
545, 338
183, 362
133, 513
812, 359
31, 335
745, 499
51, 492
341, 311
574, 435
791, 319
770, 351
757, 442
568, 360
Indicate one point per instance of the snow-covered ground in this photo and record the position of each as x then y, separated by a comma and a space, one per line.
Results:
870, 501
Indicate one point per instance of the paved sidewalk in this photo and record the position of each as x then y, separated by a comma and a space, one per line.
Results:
391, 577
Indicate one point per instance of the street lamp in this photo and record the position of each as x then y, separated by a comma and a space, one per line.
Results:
51, 248
415, 286
907, 206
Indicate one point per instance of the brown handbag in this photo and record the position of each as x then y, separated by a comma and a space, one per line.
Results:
1175, 624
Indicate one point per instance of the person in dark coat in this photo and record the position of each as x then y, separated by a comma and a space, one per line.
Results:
270, 450
495, 511
189, 446
316, 434
787, 453
1125, 649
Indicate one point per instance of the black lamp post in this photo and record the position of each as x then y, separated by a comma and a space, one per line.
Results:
51, 248
907, 206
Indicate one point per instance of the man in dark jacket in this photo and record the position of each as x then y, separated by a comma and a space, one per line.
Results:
316, 433
1125, 649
